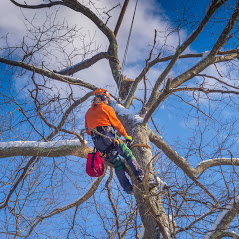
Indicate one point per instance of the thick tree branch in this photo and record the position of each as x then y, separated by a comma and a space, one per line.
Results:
221, 81
216, 162
49, 74
86, 63
183, 164
38, 6
45, 149
78, 7
172, 155
179, 161
195, 70
205, 90
231, 234
224, 219
210, 59
189, 55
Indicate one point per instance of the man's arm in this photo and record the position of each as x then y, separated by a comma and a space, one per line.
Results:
86, 126
115, 122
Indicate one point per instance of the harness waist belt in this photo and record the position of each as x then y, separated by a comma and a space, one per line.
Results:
101, 129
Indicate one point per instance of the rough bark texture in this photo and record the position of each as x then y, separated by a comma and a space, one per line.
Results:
80, 150
153, 215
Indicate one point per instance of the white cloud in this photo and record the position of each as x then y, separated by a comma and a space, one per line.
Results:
146, 21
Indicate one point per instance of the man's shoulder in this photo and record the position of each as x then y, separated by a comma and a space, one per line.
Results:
107, 107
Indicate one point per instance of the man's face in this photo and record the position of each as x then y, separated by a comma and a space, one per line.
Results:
107, 101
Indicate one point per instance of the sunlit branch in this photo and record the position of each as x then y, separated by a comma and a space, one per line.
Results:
216, 162
45, 149
49, 74
215, 78
86, 63
224, 219
38, 6
179, 161
192, 55
205, 90
193, 106
224, 58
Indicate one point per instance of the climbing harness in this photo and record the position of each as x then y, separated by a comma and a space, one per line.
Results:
118, 140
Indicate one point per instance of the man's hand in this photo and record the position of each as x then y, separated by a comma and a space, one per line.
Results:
128, 138
128, 141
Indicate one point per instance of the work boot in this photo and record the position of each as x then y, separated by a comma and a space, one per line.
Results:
140, 178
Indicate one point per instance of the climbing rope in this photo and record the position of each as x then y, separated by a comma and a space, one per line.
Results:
140, 145
126, 52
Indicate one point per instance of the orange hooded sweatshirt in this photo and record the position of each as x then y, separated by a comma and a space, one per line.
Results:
103, 115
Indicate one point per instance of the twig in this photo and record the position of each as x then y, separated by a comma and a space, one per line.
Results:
193, 106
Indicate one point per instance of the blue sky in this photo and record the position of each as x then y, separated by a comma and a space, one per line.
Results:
176, 120
159, 15
152, 15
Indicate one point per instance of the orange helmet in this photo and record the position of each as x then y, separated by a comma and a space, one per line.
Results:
102, 92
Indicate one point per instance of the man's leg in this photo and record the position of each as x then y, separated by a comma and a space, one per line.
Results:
125, 152
119, 171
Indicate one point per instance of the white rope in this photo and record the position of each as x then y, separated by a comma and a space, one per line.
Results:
125, 54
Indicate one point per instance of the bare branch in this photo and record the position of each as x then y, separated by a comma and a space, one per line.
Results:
177, 159
193, 106
216, 162
213, 7
76, 203
39, 6
215, 78
204, 90
45, 149
50, 74
224, 219
86, 63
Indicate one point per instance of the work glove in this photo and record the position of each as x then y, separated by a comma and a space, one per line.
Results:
128, 140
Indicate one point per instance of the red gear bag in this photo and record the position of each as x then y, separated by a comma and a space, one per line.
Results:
94, 165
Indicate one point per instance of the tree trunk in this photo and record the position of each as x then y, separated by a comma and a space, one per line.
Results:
151, 210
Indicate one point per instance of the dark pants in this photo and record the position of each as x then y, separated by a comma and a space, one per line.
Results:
112, 149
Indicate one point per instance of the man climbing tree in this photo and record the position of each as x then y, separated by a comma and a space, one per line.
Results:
101, 118
172, 70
